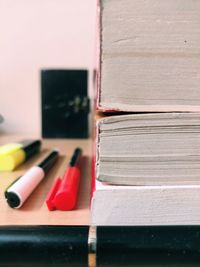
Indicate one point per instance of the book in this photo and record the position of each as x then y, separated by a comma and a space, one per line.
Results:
148, 149
145, 205
149, 56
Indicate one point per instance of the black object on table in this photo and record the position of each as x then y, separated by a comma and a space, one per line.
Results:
65, 103
140, 246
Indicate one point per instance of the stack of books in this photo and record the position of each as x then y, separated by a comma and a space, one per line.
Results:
147, 154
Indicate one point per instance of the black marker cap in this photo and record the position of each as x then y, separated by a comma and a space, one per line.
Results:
48, 162
44, 246
31, 147
12, 199
75, 159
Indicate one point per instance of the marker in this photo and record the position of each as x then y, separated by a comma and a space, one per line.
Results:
17, 193
63, 194
14, 154
103, 246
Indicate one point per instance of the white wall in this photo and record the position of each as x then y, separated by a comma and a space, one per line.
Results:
34, 35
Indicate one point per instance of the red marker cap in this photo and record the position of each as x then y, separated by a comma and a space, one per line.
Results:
64, 192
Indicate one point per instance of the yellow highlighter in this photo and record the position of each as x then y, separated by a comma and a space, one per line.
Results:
14, 154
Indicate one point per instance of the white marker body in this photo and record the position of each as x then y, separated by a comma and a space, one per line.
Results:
27, 183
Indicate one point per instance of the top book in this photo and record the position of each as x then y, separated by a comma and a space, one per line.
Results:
149, 55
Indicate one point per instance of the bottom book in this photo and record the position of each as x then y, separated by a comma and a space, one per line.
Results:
145, 205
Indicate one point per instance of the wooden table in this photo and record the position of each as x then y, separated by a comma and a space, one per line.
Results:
34, 210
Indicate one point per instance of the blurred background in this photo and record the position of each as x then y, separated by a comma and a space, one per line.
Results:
36, 35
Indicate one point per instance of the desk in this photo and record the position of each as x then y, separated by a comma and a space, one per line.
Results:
34, 210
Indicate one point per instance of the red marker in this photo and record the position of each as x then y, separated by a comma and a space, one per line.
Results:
63, 194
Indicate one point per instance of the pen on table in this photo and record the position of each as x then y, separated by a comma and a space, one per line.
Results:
103, 246
63, 194
13, 154
17, 193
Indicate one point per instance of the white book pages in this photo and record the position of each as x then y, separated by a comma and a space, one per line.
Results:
145, 205
150, 55
149, 149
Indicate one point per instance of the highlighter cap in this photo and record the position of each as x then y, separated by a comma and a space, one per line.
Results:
13, 154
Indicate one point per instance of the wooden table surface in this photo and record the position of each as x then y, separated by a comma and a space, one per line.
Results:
34, 210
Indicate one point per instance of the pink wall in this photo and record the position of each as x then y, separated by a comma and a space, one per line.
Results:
38, 34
